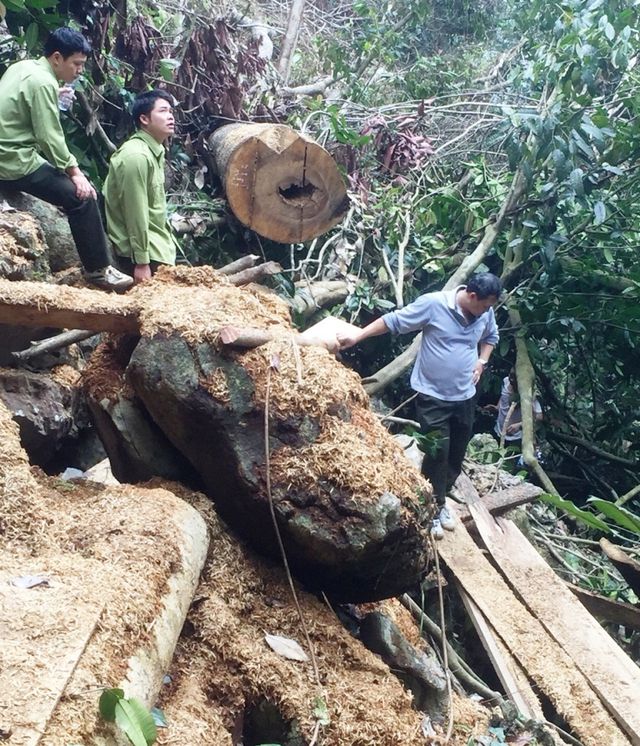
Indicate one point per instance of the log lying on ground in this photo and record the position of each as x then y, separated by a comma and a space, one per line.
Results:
254, 274
118, 569
278, 182
310, 297
352, 514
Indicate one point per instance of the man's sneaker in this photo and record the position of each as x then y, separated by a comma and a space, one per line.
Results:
109, 278
446, 520
436, 529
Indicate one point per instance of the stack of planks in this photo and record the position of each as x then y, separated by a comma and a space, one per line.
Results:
538, 634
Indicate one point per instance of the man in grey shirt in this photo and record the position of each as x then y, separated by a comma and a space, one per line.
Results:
459, 333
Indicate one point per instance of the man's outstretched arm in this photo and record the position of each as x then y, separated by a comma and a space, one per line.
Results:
374, 329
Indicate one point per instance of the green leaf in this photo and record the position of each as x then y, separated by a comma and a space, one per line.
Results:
608, 255
108, 701
167, 66
600, 212
31, 36
576, 180
621, 516
133, 718
15, 5
589, 519
40, 4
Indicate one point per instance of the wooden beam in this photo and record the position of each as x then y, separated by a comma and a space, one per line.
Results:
503, 500
610, 672
45, 631
43, 304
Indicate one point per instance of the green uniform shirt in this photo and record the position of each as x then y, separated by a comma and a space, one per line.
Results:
30, 131
136, 204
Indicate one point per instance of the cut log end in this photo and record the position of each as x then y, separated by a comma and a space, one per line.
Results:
278, 183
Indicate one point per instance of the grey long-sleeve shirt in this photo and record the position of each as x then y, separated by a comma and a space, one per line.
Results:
449, 349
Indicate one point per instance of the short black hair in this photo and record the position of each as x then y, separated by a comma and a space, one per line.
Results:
66, 41
484, 285
144, 103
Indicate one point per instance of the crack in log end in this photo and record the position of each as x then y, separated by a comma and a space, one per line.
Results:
298, 195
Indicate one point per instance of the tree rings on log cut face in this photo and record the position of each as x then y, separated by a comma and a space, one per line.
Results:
279, 183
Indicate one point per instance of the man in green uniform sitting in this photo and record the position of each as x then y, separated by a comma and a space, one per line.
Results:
134, 193
34, 156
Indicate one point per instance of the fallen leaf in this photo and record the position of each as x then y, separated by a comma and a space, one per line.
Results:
286, 647
30, 581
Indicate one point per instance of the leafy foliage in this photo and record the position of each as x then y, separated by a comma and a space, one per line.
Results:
130, 715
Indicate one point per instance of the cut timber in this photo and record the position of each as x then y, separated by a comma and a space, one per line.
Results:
312, 296
278, 182
626, 565
544, 661
42, 304
45, 630
607, 609
254, 274
611, 673
511, 675
503, 500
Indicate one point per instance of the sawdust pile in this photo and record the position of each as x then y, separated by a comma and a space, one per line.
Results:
197, 302
104, 377
65, 375
357, 457
23, 251
305, 380
240, 598
223, 668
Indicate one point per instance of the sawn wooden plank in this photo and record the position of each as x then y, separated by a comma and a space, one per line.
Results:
511, 675
545, 662
43, 633
611, 673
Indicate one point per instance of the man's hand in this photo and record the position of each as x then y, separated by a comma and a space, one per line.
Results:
84, 188
478, 370
347, 339
141, 272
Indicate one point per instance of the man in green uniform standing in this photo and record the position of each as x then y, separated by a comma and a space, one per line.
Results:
34, 156
134, 193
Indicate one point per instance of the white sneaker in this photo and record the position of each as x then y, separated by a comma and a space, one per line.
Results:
436, 529
109, 278
447, 521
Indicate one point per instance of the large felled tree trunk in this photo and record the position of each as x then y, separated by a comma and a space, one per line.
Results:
279, 183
